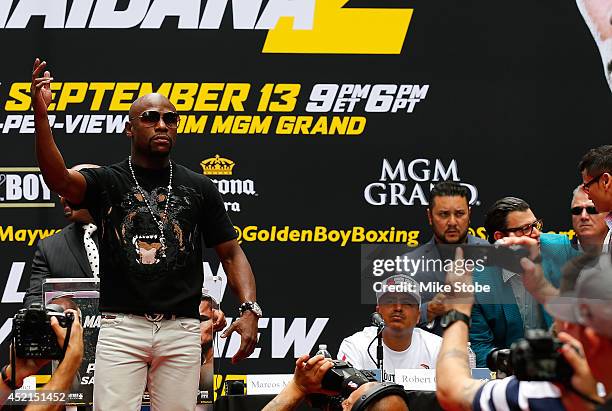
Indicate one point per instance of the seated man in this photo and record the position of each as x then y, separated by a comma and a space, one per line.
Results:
63, 376
448, 214
589, 225
404, 346
307, 379
501, 316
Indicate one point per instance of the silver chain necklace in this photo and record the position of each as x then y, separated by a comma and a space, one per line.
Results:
160, 225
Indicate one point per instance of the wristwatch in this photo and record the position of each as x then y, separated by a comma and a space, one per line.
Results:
452, 316
250, 306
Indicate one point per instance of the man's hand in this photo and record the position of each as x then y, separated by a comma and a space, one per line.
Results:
461, 298
74, 352
246, 326
207, 328
306, 380
436, 307
40, 88
309, 373
531, 244
219, 321
533, 275
24, 367
582, 380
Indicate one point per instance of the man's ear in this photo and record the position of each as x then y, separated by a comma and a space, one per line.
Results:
429, 216
128, 129
498, 235
607, 181
594, 341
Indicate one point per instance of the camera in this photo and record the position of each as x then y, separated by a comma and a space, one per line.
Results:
343, 379
32, 332
537, 357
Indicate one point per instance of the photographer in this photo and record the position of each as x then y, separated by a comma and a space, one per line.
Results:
63, 375
307, 378
456, 390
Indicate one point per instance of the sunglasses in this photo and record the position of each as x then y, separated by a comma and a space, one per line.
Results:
150, 118
589, 210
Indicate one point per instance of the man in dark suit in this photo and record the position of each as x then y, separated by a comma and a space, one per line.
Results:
62, 255
448, 214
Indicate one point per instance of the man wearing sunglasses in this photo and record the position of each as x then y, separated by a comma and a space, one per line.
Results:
501, 316
589, 225
596, 170
152, 215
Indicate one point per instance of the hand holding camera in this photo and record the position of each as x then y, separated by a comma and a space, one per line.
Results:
40, 335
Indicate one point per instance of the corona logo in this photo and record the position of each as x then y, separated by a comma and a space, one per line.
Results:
217, 166
230, 188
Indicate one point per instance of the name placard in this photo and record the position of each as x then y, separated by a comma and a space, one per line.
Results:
267, 384
417, 379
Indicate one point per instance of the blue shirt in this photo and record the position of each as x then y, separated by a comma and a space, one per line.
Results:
513, 395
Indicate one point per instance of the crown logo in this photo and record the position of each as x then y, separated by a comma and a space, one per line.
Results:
217, 166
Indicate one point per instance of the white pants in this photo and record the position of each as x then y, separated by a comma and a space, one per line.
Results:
132, 351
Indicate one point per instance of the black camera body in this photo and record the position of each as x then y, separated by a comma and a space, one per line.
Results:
342, 379
537, 357
32, 332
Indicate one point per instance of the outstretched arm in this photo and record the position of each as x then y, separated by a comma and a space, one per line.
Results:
455, 388
68, 183
242, 282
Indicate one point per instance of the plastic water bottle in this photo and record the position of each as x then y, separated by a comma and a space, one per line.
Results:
471, 357
323, 351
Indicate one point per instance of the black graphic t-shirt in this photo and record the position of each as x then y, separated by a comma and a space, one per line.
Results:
136, 275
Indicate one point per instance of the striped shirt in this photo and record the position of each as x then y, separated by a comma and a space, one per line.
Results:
509, 394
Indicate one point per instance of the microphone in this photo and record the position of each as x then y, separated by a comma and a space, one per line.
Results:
377, 320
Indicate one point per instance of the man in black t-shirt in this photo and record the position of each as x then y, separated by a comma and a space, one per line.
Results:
152, 215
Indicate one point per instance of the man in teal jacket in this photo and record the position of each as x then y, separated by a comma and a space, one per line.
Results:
501, 316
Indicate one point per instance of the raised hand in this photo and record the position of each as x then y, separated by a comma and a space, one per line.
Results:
40, 88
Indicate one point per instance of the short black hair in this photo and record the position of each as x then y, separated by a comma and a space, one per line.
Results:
495, 220
597, 160
449, 189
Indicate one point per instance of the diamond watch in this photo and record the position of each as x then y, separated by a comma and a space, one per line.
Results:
250, 306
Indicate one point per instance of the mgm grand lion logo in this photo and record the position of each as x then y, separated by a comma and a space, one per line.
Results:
147, 244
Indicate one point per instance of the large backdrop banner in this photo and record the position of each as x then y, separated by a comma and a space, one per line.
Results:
323, 123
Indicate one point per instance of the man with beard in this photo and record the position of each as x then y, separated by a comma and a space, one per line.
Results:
152, 215
404, 346
589, 225
448, 214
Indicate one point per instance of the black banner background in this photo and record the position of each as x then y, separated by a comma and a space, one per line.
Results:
516, 96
